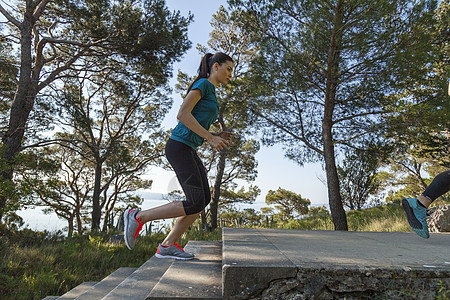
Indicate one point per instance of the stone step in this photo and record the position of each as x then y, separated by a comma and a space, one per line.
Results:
78, 290
139, 284
200, 278
309, 264
102, 288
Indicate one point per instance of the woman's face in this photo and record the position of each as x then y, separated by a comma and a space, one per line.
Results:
223, 72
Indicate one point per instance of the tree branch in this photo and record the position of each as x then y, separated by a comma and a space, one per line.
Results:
10, 18
69, 63
357, 115
308, 144
39, 9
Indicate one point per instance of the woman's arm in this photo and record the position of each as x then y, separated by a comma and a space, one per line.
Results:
185, 116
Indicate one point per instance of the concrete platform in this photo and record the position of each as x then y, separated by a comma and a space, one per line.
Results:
299, 264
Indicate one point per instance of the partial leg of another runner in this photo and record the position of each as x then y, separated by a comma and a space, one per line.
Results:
416, 208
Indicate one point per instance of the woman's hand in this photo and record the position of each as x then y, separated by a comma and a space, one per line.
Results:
226, 135
218, 142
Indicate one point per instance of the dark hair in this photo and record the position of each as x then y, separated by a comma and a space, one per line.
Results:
207, 62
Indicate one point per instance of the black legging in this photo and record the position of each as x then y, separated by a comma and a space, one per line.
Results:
191, 174
438, 187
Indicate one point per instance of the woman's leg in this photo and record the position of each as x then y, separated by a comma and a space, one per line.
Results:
166, 211
191, 175
179, 228
197, 204
416, 208
438, 187
198, 195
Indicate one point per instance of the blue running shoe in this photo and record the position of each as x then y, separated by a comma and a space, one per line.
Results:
417, 216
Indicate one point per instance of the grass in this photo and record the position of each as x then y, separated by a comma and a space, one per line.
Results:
35, 264
380, 218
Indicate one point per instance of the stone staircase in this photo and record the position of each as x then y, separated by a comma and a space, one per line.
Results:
288, 264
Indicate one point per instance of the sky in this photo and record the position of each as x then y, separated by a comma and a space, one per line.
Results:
274, 170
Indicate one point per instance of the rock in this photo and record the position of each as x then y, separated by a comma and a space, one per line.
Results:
439, 218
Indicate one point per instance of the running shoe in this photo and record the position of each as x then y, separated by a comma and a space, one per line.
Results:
173, 251
132, 227
417, 216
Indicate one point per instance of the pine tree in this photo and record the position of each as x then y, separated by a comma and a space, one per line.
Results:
323, 75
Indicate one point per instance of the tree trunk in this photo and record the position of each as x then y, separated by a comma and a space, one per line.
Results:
96, 209
203, 220
79, 223
106, 221
22, 105
334, 195
70, 223
214, 206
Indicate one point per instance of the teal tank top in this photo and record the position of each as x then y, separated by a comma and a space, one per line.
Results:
205, 112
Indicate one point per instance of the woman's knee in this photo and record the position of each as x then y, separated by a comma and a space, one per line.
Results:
196, 207
193, 209
196, 199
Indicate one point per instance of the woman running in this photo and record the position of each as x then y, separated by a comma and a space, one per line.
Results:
197, 112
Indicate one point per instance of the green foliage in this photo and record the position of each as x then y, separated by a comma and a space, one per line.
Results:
197, 233
8, 73
248, 217
240, 163
144, 33
405, 178
289, 74
318, 211
379, 218
289, 204
31, 166
443, 292
419, 123
358, 176
229, 198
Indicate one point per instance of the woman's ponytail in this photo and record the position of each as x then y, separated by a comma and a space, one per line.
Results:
207, 62
205, 68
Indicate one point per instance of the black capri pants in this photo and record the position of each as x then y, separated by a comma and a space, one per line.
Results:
438, 187
191, 174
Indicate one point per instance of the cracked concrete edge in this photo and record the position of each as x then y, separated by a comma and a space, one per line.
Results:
353, 284
242, 282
